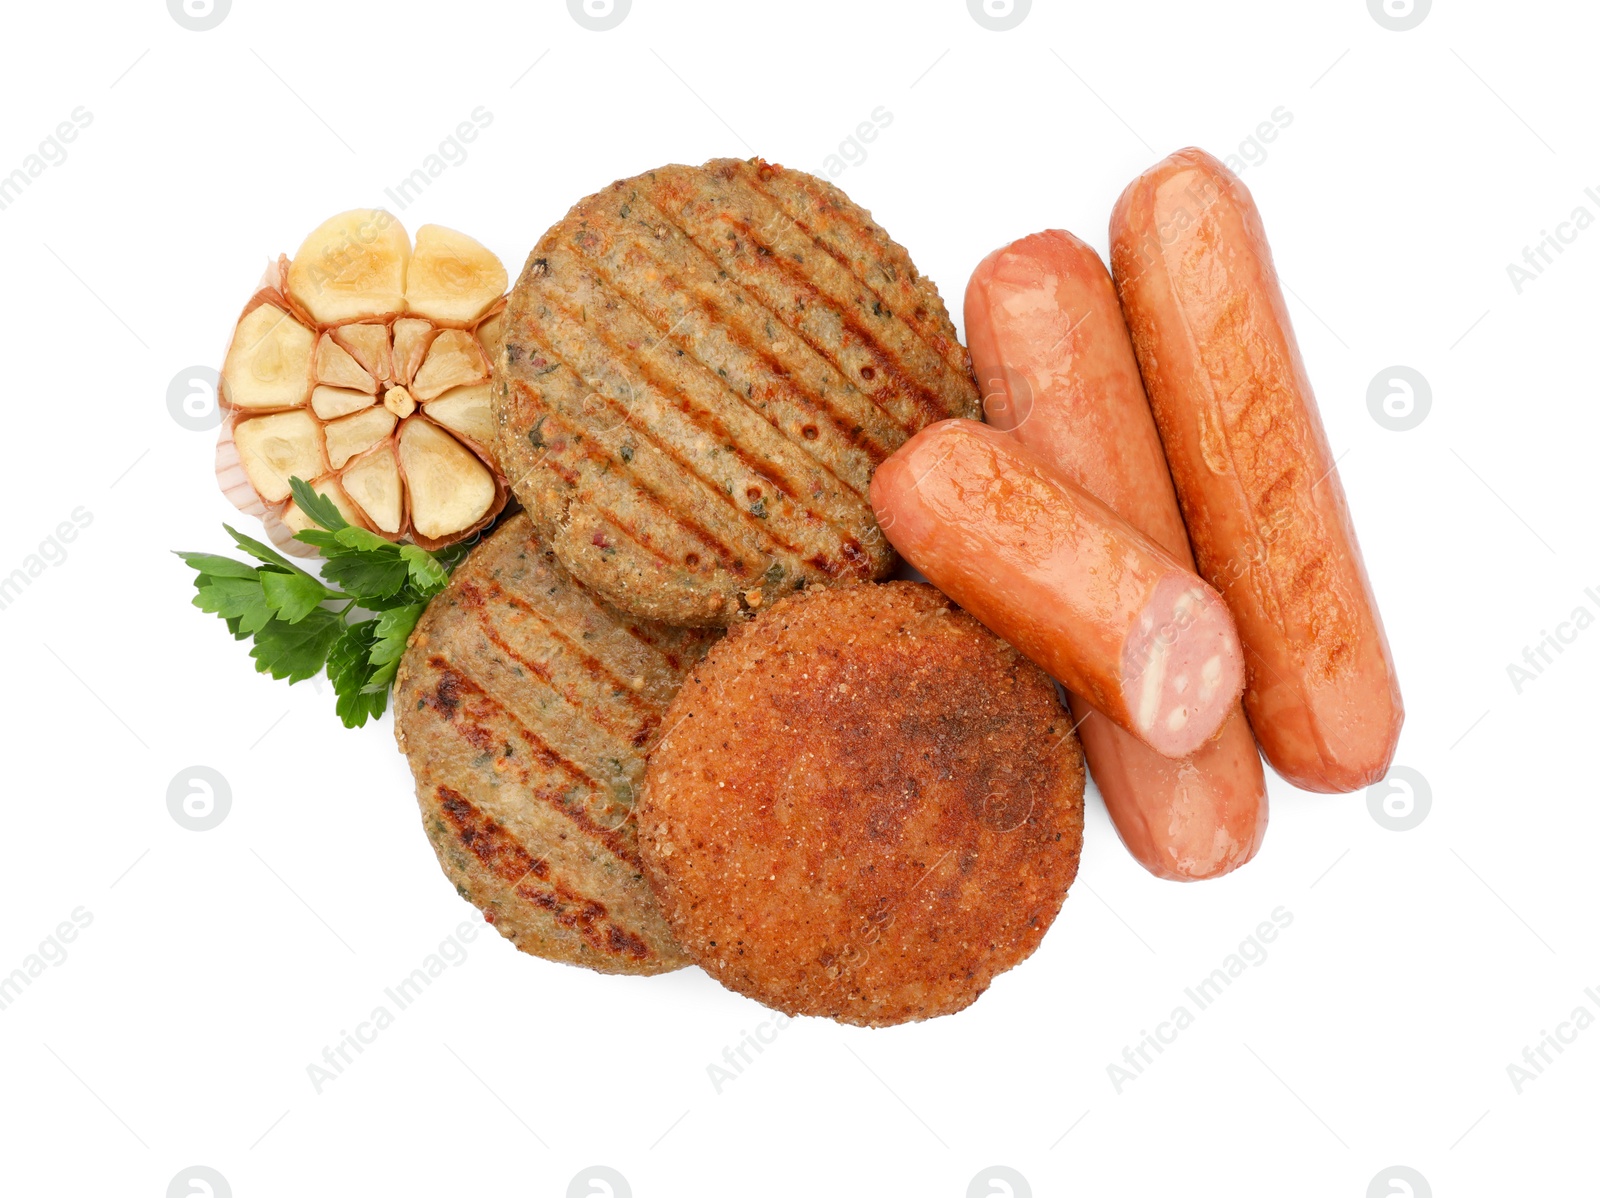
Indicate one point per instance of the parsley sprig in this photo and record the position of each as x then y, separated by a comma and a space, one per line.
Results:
302, 626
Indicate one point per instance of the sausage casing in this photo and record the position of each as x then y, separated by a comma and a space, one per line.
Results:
1255, 478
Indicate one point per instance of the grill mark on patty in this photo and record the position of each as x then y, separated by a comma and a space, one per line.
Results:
748, 348
505, 857
906, 423
595, 610
847, 425
481, 737
859, 224
711, 424
908, 383
595, 717
639, 634
708, 423
927, 313
630, 532
757, 529
633, 532
903, 426
595, 668
450, 693
605, 515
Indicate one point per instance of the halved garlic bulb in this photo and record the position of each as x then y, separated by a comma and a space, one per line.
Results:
364, 366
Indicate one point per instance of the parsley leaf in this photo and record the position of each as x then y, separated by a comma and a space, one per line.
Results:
349, 671
218, 566
366, 576
382, 678
301, 625
239, 599
297, 651
324, 540
452, 556
356, 707
361, 541
316, 505
392, 633
425, 569
293, 597
347, 660
262, 553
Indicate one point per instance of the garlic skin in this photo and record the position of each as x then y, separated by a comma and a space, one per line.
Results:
365, 366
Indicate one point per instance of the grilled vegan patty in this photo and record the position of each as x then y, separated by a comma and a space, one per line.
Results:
864, 805
525, 706
702, 367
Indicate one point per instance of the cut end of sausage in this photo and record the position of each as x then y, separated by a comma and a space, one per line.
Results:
1183, 668
1184, 821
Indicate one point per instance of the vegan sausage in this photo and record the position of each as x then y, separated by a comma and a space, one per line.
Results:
1082, 593
1253, 472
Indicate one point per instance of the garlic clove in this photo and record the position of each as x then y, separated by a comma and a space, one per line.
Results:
452, 279
492, 335
449, 487
330, 403
356, 434
369, 345
352, 265
468, 411
454, 360
336, 368
269, 362
274, 449
411, 340
373, 483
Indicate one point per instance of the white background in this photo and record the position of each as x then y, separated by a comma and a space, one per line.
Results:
1418, 965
